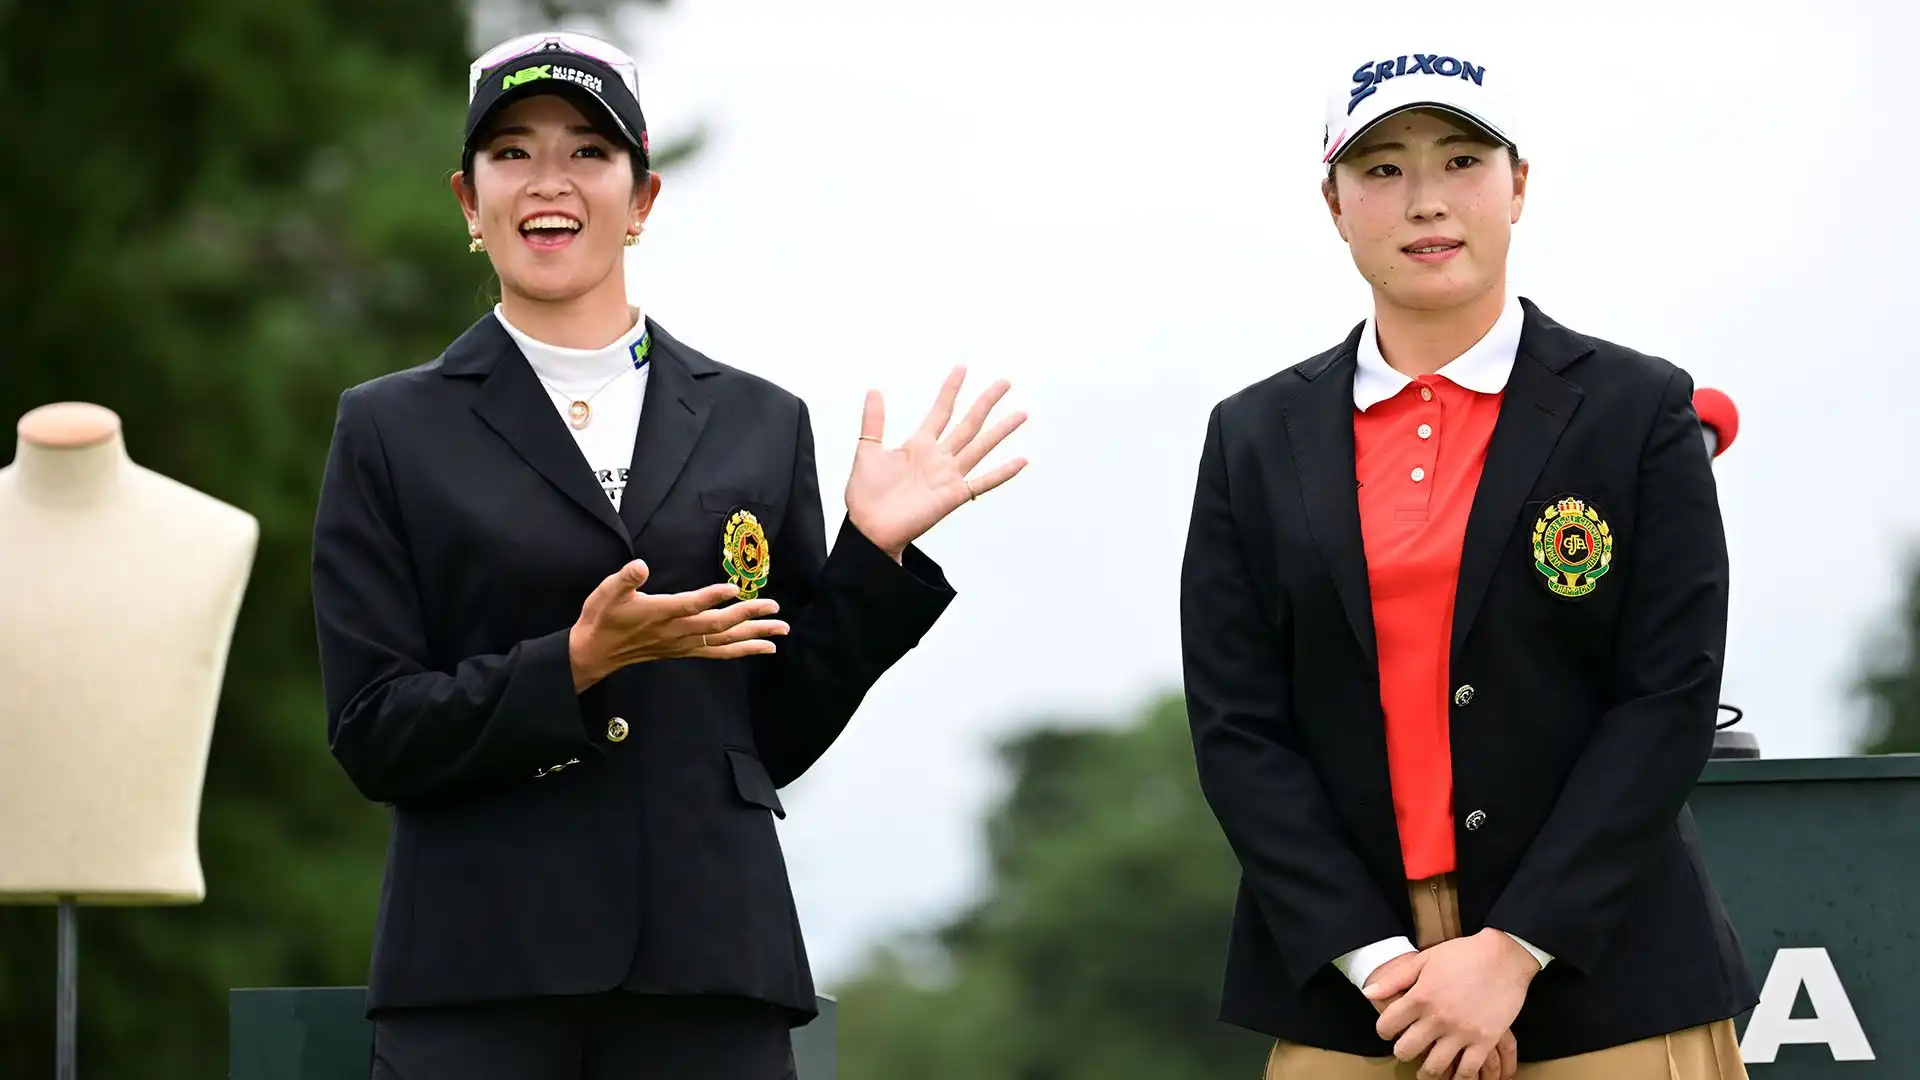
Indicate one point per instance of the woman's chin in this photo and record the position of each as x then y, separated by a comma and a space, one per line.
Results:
1437, 292
551, 284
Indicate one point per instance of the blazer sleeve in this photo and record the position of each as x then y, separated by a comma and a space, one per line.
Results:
402, 729
852, 615
1630, 783
1316, 896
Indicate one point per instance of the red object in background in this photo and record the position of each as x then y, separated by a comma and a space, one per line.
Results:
1717, 412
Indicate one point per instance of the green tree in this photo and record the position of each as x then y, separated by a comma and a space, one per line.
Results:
1891, 680
1097, 949
223, 213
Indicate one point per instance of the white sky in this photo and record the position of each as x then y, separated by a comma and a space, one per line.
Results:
1112, 203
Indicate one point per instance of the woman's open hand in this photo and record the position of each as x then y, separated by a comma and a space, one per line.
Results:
895, 495
620, 625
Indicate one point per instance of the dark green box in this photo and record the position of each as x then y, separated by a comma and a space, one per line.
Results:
322, 1033
1818, 861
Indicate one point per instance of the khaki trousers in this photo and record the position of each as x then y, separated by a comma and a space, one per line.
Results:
1710, 1052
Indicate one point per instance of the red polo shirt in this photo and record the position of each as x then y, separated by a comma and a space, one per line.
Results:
1418, 455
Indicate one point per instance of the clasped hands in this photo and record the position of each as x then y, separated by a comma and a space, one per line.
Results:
893, 497
1455, 1003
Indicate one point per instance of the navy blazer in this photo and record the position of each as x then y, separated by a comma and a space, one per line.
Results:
548, 842
1578, 724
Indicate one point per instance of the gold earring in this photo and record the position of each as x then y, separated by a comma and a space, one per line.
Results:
634, 236
476, 244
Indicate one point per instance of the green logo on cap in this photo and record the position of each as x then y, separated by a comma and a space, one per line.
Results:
544, 71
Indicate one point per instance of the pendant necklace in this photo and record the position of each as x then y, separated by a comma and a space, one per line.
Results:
580, 410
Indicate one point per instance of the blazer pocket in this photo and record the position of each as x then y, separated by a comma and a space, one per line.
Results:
729, 500
750, 779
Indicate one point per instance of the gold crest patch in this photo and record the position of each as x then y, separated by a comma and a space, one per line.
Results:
1572, 547
745, 554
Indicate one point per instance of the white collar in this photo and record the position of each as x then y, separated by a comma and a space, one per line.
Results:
572, 367
1482, 368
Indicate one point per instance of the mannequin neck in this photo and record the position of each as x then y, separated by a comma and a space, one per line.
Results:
79, 475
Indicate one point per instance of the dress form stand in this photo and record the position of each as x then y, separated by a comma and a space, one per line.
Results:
120, 592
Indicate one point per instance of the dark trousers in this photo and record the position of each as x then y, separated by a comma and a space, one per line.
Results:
617, 1036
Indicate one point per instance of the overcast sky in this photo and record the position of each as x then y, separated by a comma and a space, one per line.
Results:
1113, 204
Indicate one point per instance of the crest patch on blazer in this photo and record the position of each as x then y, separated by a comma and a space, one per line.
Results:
1572, 547
745, 554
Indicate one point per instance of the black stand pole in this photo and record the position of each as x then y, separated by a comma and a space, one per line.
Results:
67, 1008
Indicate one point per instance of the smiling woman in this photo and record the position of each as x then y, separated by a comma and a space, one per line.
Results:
579, 622
559, 183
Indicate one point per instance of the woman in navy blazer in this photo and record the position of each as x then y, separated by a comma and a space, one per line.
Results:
1453, 615
578, 622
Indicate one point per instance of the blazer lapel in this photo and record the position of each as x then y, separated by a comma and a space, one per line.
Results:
516, 406
1535, 410
1319, 423
671, 419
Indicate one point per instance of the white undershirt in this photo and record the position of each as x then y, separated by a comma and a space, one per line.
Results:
584, 374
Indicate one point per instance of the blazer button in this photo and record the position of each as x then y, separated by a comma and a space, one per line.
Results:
616, 729
1475, 820
1464, 695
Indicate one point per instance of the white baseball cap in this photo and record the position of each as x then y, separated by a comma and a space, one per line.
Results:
1379, 88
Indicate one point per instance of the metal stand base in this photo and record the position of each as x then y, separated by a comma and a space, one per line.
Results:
67, 1007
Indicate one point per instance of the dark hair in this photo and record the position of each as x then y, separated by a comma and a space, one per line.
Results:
600, 126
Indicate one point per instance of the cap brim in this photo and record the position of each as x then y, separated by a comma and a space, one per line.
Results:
1492, 133
598, 106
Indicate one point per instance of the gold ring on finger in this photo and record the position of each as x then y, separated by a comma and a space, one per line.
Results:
971, 494
703, 642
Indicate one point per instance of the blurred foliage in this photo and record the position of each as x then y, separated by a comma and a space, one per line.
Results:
240, 210
1891, 679
1097, 949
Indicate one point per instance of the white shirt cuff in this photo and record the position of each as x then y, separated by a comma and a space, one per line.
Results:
1539, 955
1360, 964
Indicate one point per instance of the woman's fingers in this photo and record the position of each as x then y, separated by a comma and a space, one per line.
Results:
751, 630
710, 622
942, 411
735, 651
976, 418
693, 602
995, 477
722, 619
973, 452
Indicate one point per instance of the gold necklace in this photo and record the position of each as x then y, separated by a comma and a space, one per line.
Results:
580, 410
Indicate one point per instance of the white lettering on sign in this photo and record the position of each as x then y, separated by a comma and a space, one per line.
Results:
1833, 1022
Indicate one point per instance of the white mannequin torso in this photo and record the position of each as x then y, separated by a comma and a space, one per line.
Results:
119, 589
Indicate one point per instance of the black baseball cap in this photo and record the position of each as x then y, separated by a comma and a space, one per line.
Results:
589, 70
